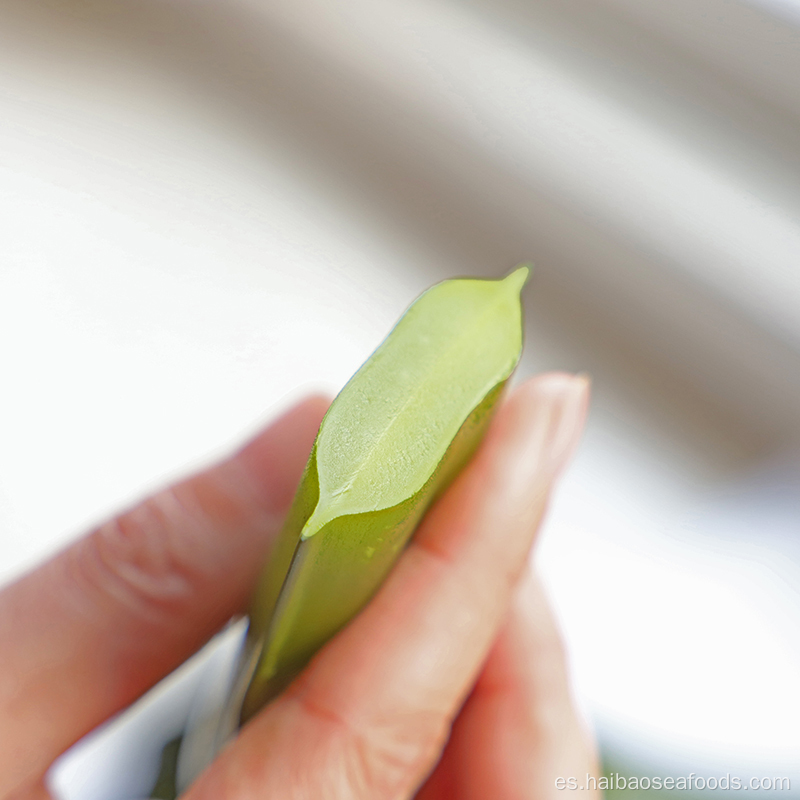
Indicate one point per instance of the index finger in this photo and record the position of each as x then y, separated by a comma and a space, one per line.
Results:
89, 631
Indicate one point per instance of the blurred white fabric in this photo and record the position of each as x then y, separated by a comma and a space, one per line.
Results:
210, 208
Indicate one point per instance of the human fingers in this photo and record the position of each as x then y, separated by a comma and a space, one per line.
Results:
89, 631
33, 791
370, 714
518, 731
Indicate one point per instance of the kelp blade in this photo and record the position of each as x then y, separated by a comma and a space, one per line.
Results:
391, 442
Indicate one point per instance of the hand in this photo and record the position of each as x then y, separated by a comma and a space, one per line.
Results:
450, 685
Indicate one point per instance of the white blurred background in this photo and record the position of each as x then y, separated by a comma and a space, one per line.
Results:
211, 208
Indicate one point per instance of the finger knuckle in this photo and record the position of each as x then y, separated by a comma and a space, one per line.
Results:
385, 759
144, 559
392, 761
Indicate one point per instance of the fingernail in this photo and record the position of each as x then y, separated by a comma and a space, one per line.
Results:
567, 426
553, 409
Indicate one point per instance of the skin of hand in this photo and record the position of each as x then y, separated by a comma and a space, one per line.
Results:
450, 685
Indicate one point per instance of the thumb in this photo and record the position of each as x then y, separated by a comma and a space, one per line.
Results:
369, 717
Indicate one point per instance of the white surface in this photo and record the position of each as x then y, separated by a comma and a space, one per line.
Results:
682, 614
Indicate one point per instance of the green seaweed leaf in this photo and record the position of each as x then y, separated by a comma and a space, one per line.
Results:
392, 440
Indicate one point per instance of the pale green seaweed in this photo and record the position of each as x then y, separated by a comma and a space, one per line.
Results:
392, 440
